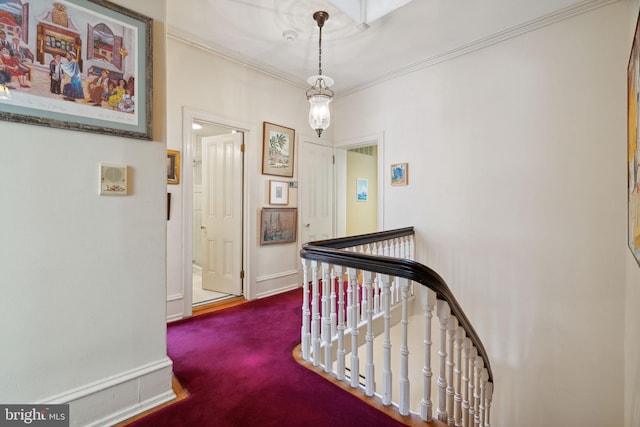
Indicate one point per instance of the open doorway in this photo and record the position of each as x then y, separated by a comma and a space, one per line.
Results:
215, 211
359, 186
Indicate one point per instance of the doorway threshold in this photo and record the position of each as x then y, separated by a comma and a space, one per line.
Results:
217, 304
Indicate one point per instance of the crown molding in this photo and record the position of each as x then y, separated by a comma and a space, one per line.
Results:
481, 43
466, 48
207, 46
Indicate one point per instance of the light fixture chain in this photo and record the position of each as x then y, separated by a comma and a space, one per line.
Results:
320, 53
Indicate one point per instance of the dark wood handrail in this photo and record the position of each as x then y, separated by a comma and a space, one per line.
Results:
332, 251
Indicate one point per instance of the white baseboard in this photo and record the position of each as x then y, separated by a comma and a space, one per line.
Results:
117, 398
272, 292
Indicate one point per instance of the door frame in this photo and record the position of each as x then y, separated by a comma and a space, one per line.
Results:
340, 179
309, 138
190, 115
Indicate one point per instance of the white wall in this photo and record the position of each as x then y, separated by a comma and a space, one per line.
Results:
82, 276
518, 195
203, 81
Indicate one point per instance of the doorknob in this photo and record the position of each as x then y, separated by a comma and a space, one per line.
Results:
307, 225
202, 227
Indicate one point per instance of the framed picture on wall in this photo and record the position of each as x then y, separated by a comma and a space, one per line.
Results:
278, 225
362, 189
173, 167
633, 148
400, 174
278, 144
80, 64
278, 192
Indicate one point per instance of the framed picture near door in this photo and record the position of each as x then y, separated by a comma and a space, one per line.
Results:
277, 150
278, 225
173, 167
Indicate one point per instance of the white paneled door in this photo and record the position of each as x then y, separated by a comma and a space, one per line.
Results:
316, 192
222, 213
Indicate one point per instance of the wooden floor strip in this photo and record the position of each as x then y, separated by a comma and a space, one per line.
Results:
410, 420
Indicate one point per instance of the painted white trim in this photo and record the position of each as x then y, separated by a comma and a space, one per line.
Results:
108, 382
481, 43
278, 291
209, 47
175, 297
134, 410
276, 276
188, 147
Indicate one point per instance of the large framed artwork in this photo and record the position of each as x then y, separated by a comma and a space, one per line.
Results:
277, 150
633, 148
78, 64
278, 225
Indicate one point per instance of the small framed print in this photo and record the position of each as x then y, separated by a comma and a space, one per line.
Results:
173, 167
400, 174
362, 189
278, 192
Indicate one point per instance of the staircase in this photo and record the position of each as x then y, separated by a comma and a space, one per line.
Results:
361, 291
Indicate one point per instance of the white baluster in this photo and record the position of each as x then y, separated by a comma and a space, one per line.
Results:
306, 313
489, 397
370, 385
387, 250
476, 393
412, 248
334, 315
484, 376
326, 318
340, 374
460, 336
386, 369
473, 356
355, 361
426, 405
376, 296
315, 314
403, 405
350, 283
466, 349
444, 313
451, 332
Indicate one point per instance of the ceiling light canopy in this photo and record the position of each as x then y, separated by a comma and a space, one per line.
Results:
319, 95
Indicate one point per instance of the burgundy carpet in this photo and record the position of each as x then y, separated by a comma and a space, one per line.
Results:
237, 364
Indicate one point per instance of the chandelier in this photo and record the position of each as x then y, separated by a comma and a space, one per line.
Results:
319, 95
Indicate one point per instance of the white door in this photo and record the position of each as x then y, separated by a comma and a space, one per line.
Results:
316, 192
222, 213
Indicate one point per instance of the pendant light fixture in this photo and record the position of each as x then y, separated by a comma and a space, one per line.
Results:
319, 95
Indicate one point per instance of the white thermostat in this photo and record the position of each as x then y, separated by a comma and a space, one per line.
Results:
113, 180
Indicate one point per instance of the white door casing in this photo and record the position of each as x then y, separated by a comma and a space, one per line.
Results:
316, 192
222, 213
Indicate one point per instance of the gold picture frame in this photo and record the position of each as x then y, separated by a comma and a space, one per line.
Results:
278, 225
173, 167
400, 174
278, 144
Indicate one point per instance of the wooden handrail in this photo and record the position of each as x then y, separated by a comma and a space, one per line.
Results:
332, 251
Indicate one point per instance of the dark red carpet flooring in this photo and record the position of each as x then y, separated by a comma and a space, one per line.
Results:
237, 364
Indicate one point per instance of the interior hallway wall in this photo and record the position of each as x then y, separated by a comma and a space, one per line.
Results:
203, 81
517, 192
82, 312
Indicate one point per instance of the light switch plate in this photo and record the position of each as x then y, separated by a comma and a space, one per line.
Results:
113, 179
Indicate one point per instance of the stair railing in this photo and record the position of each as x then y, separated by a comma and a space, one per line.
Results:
379, 272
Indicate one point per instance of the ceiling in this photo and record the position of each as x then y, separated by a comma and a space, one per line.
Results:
280, 37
